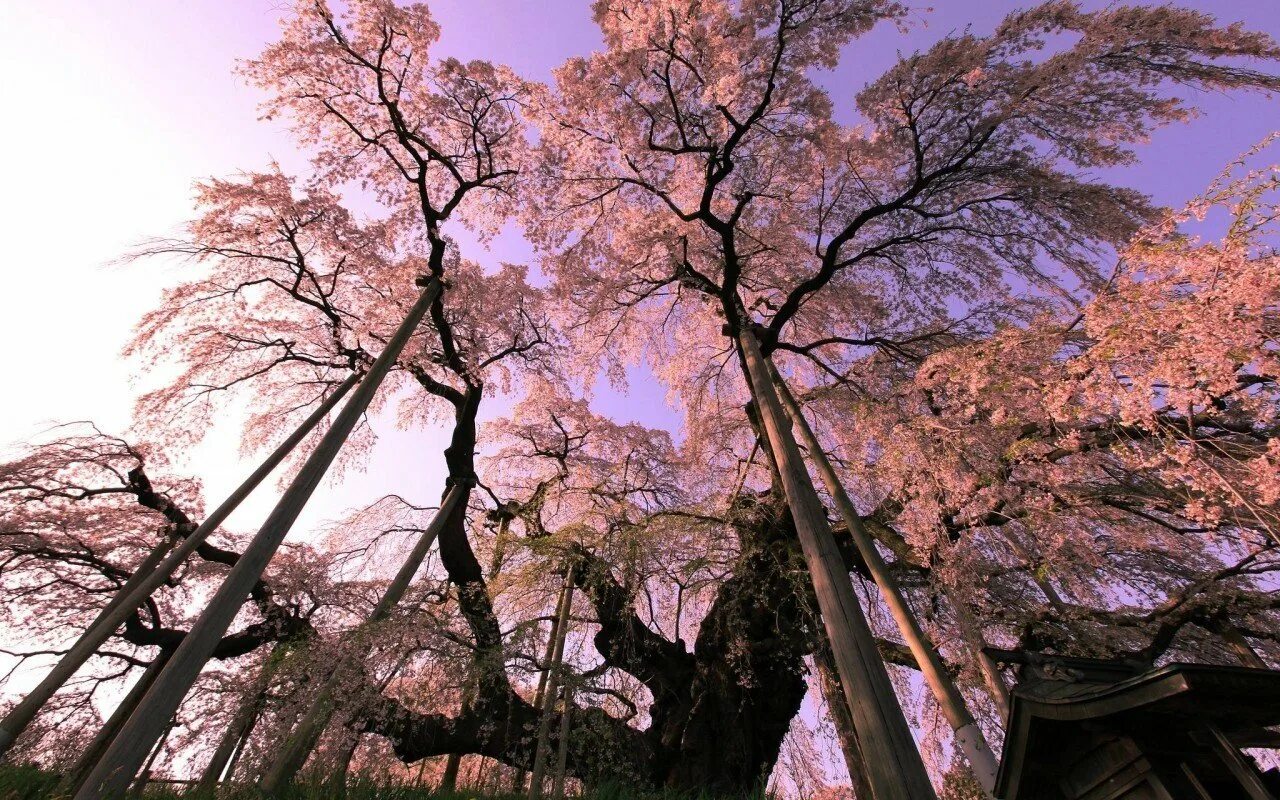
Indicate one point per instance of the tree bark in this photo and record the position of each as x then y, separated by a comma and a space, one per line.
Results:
449, 780
895, 769
149, 576
293, 754
967, 733
342, 764
112, 774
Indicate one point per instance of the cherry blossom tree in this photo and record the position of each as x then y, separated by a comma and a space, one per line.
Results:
1048, 405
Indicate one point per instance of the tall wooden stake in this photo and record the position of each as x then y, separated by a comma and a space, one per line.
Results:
895, 769
149, 576
549, 695
304, 737
562, 752
75, 776
111, 776
140, 785
838, 707
240, 727
968, 735
548, 656
974, 640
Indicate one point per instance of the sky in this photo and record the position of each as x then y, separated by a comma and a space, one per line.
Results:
115, 109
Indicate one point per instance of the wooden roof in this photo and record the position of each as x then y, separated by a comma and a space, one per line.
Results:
1053, 711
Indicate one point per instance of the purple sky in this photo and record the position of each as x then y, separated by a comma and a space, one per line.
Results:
115, 109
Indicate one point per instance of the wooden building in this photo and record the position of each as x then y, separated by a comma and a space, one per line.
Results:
1083, 729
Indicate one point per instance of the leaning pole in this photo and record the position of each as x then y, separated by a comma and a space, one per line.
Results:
293, 754
111, 776
894, 767
968, 735
149, 576
554, 674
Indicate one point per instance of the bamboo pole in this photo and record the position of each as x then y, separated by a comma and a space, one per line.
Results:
293, 754
553, 682
149, 576
895, 769
113, 772
968, 735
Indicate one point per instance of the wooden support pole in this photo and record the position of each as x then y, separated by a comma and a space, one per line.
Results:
76, 775
548, 656
842, 720
562, 754
1241, 768
553, 682
895, 769
241, 725
968, 735
293, 754
111, 776
149, 576
976, 642
1238, 644
144, 777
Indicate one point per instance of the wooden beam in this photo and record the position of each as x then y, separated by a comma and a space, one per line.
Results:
111, 777
150, 575
895, 769
967, 733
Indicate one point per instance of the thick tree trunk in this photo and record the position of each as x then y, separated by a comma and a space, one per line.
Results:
449, 779
895, 769
342, 764
841, 719
719, 714
967, 733
112, 774
293, 754
149, 576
